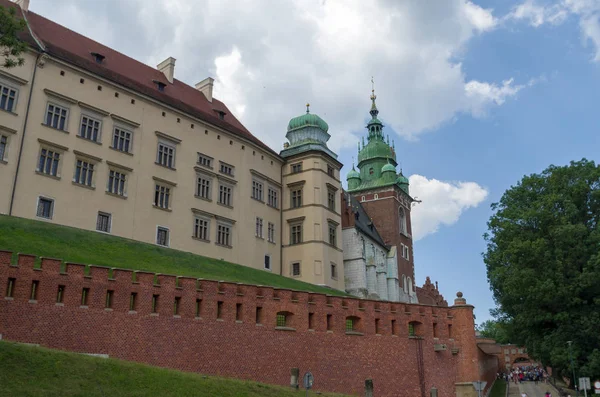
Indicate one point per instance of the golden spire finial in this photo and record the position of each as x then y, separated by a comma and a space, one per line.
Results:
373, 96
307, 107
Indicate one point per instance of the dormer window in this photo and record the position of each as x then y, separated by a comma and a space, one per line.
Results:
160, 85
98, 57
221, 114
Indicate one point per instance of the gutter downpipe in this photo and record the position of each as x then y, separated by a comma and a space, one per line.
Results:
41, 46
281, 223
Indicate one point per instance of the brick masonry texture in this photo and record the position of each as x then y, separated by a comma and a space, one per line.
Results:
235, 345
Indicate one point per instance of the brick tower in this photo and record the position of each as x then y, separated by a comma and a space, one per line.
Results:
384, 195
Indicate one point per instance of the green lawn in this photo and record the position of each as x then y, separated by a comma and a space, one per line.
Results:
35, 371
499, 389
81, 246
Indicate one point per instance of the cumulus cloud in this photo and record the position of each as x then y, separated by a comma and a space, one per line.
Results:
271, 57
588, 12
442, 203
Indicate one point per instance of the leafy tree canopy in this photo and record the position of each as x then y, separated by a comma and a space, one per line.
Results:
11, 47
543, 265
495, 330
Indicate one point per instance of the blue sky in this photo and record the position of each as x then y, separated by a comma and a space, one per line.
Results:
475, 94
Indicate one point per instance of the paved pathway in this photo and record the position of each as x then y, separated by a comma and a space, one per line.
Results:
532, 390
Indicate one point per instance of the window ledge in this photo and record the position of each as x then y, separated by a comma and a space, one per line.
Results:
123, 197
108, 309
176, 316
200, 239
99, 143
203, 198
3, 162
259, 237
84, 186
273, 206
9, 298
153, 314
59, 304
54, 128
257, 199
83, 306
355, 333
48, 175
272, 242
161, 208
9, 112
223, 245
132, 312
32, 301
225, 205
239, 322
285, 329
220, 319
120, 151
165, 166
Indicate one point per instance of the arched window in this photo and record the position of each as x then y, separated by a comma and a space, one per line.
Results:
362, 198
402, 220
371, 171
376, 196
410, 286
405, 284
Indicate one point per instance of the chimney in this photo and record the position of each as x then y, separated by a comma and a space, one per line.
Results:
24, 4
206, 87
167, 67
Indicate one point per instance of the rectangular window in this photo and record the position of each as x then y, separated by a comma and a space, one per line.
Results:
411, 329
330, 170
162, 195
296, 269
333, 270
224, 235
225, 195
238, 312
332, 235
331, 200
272, 198
311, 321
394, 329
226, 169
259, 315
84, 172
60, 294
162, 236
203, 187
45, 208
377, 330
155, 303
103, 222
296, 198
271, 232
3, 145
281, 320
90, 128
48, 163
405, 251
85, 296
295, 234
349, 325
109, 299
122, 140
268, 262
34, 290
198, 307
329, 322
296, 168
257, 190
205, 160
56, 116
176, 305
8, 98
259, 227
116, 182
165, 155
133, 302
202, 229
435, 330
219, 309
10, 288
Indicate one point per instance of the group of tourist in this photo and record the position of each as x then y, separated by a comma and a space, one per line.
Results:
529, 373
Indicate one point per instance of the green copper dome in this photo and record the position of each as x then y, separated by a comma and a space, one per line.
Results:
353, 174
307, 120
388, 167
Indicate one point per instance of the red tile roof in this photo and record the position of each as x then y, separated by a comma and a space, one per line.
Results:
76, 49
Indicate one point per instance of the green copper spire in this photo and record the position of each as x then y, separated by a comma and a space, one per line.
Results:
307, 132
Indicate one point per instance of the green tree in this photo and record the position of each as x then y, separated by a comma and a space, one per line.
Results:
494, 329
543, 265
11, 47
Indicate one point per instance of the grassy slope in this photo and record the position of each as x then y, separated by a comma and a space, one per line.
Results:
34, 371
499, 389
81, 246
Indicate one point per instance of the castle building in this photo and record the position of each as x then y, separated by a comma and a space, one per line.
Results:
93, 139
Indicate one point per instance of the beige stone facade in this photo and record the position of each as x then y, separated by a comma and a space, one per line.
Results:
82, 146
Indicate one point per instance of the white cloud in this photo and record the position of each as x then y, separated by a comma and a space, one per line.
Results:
588, 12
271, 57
484, 94
442, 203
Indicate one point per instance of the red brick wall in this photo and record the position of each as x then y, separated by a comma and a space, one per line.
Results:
227, 347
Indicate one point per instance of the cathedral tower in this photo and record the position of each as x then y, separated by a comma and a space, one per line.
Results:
384, 194
311, 220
